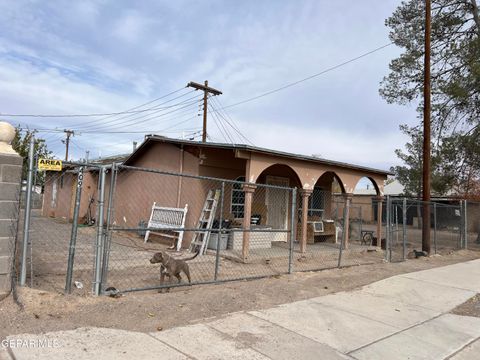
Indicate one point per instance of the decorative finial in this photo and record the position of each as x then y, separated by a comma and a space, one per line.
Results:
7, 133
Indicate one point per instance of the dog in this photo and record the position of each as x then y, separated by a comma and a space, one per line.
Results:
171, 266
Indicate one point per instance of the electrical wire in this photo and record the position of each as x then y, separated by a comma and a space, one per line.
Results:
154, 110
93, 115
308, 77
223, 114
222, 131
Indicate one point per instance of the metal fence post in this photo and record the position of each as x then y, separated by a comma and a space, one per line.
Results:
465, 224
361, 222
220, 232
293, 229
73, 236
462, 225
435, 227
388, 250
99, 240
108, 234
404, 226
344, 232
28, 208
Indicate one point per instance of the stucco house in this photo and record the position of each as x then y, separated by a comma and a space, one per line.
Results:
135, 191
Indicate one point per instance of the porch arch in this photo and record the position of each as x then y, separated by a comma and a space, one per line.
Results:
281, 171
326, 178
276, 169
372, 180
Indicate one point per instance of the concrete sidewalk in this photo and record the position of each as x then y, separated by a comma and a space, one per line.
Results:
402, 317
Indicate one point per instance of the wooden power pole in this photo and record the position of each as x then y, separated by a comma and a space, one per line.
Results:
206, 90
67, 142
426, 132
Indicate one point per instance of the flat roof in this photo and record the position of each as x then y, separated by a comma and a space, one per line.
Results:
158, 138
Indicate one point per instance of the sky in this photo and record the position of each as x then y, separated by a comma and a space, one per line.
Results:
83, 57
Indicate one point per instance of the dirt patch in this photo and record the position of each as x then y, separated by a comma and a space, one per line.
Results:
148, 311
471, 307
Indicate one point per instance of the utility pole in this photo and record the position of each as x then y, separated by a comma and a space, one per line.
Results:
426, 131
67, 141
206, 89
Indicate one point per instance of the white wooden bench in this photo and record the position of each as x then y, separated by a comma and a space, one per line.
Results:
166, 218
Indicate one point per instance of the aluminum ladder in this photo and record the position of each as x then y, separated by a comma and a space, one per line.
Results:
205, 222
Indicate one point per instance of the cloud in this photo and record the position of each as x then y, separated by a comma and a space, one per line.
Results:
131, 26
96, 56
332, 144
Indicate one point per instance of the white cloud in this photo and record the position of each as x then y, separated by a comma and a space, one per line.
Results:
131, 26
333, 144
95, 56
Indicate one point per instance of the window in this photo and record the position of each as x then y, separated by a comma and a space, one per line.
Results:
238, 199
316, 202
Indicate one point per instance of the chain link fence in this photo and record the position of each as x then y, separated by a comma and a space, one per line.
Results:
100, 226
50, 228
182, 215
404, 222
472, 225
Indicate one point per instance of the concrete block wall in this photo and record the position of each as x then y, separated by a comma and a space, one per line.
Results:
10, 179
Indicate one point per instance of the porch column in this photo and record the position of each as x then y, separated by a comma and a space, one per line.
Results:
346, 219
379, 220
249, 189
305, 196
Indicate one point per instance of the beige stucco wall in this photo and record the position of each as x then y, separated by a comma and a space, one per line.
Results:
361, 207
62, 206
66, 194
136, 191
309, 172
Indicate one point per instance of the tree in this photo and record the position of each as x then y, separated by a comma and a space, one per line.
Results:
21, 143
410, 174
455, 58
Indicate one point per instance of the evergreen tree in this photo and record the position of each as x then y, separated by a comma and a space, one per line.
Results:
455, 73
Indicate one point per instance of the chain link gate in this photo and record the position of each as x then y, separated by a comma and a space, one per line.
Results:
56, 227
404, 221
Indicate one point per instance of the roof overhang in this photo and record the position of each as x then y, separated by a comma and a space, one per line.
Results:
244, 151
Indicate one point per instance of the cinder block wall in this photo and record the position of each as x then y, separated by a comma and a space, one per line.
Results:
10, 176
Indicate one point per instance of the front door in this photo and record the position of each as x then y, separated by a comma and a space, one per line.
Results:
277, 206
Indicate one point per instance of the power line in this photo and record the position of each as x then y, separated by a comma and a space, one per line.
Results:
230, 122
93, 115
130, 122
154, 110
220, 127
104, 129
308, 77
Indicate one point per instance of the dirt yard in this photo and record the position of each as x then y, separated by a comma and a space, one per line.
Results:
150, 311
469, 308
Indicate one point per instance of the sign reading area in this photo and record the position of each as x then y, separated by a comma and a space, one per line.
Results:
49, 164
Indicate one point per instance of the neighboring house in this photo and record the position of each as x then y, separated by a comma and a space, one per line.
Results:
136, 190
60, 187
364, 201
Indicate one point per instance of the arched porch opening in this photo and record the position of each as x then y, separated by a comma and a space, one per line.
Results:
318, 221
268, 206
364, 202
272, 199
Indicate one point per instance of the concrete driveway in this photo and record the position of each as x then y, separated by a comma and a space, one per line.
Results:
402, 317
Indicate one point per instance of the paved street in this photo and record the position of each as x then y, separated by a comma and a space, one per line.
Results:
402, 317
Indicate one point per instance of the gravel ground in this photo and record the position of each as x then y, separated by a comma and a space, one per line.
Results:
469, 308
149, 311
